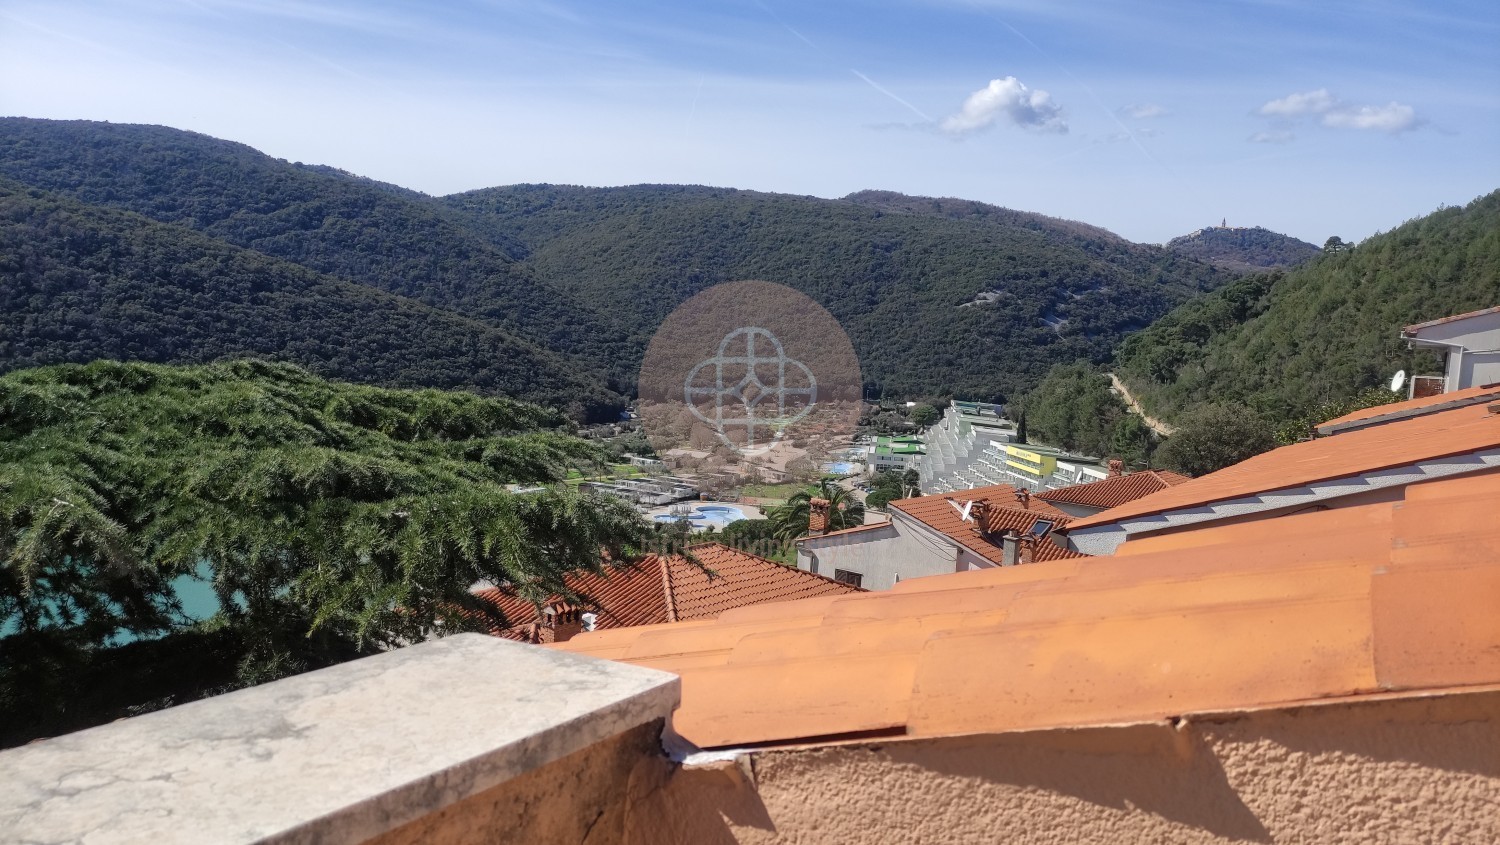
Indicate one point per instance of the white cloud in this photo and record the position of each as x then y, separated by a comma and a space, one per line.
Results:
1393, 117
1296, 105
1010, 99
1273, 137
1142, 111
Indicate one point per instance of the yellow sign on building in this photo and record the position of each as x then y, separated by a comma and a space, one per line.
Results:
1029, 462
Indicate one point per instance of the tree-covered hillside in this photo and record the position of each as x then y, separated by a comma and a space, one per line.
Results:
87, 282
324, 219
936, 295
326, 518
1244, 250
1285, 342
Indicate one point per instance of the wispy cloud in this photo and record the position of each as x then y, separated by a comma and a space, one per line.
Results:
1143, 111
1297, 105
1393, 117
1275, 136
1011, 100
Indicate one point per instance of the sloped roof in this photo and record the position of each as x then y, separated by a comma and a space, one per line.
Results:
738, 579
1389, 598
1113, 492
941, 514
1411, 408
1453, 319
660, 589
1459, 431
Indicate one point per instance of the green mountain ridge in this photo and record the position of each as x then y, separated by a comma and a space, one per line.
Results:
1244, 249
87, 282
1285, 342
978, 305
938, 295
322, 218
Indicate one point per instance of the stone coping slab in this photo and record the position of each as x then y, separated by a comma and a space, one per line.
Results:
332, 756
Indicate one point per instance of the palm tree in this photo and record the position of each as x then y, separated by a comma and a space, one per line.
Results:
791, 520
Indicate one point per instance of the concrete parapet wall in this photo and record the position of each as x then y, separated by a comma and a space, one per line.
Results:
349, 753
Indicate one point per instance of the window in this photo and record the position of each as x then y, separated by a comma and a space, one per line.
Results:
844, 576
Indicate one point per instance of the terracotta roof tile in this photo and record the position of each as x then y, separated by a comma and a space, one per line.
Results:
1456, 432
657, 590
1376, 599
739, 579
1412, 408
1113, 492
1441, 320
735, 705
942, 514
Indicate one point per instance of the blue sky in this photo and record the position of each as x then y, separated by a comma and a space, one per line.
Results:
1149, 118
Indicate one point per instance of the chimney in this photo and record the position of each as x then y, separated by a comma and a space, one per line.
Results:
1116, 467
559, 626
817, 516
980, 513
1010, 549
1024, 497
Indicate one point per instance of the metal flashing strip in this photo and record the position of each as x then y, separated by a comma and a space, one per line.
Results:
1104, 539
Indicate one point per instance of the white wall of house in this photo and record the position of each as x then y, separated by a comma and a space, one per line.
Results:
901, 549
1472, 346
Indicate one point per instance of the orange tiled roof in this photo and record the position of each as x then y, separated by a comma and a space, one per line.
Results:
660, 589
1113, 492
1441, 320
739, 579
1394, 598
1455, 432
1415, 407
941, 514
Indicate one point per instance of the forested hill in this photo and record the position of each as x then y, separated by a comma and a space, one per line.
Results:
85, 282
324, 219
1284, 342
1244, 249
935, 294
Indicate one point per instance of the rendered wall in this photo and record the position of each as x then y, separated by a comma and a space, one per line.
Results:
1409, 770
902, 550
578, 799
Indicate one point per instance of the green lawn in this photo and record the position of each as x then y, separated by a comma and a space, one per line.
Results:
775, 491
616, 471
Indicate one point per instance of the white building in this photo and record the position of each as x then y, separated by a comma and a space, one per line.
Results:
931, 535
967, 450
1470, 347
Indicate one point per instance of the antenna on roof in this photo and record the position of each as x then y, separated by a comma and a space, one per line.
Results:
963, 512
1398, 381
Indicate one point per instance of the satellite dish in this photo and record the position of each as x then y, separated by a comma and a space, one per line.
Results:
963, 512
1398, 381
